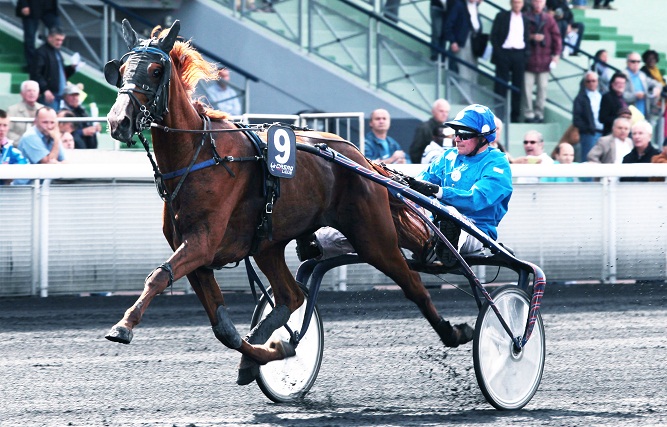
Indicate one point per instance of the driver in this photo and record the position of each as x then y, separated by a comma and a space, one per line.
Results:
472, 177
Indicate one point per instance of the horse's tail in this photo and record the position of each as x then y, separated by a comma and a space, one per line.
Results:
412, 232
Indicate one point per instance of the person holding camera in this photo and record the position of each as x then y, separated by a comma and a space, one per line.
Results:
545, 50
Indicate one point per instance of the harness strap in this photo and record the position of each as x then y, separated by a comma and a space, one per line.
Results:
271, 193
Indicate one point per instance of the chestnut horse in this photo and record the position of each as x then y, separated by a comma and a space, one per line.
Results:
211, 213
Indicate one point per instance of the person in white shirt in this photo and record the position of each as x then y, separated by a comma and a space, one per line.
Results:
586, 113
509, 39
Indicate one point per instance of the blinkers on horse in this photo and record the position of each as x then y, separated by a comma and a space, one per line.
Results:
142, 76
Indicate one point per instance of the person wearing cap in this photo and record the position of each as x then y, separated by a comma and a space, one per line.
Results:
85, 133
473, 177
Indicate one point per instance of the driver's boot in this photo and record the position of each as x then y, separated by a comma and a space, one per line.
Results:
452, 232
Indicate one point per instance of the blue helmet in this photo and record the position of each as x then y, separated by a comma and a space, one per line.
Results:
475, 118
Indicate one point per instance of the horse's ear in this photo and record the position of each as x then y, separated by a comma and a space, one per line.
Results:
167, 42
131, 37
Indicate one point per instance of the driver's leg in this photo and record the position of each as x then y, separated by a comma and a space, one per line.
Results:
463, 242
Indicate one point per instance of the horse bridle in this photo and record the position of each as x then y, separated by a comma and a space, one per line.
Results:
134, 81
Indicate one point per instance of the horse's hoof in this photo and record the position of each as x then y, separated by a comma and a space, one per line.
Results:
466, 332
247, 374
284, 348
453, 336
120, 334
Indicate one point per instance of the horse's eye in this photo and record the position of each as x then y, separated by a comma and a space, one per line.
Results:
157, 72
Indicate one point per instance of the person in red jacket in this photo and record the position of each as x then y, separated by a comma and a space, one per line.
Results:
545, 48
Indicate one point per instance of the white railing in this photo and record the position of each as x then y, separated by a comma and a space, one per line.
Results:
603, 231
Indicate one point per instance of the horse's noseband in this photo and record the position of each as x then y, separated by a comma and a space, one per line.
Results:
136, 80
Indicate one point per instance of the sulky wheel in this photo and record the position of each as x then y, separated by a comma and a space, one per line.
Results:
508, 379
290, 379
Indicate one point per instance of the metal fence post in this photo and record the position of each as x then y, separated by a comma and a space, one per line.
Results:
44, 239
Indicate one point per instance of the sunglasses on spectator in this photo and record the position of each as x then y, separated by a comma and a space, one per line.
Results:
529, 142
634, 61
466, 135
591, 81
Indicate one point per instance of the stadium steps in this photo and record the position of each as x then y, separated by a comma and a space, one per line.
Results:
623, 31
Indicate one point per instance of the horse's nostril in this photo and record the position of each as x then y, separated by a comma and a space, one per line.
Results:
125, 123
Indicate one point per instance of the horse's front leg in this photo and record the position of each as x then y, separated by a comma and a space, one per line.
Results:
288, 297
184, 260
205, 286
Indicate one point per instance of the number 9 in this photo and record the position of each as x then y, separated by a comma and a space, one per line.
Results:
281, 141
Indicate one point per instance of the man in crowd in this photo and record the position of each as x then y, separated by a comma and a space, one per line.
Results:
640, 90
612, 102
425, 131
612, 148
586, 113
643, 151
510, 40
85, 133
533, 146
31, 12
26, 108
545, 49
50, 71
221, 95
379, 145
41, 143
564, 154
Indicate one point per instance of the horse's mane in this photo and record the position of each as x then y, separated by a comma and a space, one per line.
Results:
191, 67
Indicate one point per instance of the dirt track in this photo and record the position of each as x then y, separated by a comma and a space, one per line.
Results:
383, 365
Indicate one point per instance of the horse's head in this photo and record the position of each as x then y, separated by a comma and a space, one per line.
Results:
142, 76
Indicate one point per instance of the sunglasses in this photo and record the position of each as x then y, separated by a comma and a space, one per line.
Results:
466, 135
591, 81
634, 61
529, 142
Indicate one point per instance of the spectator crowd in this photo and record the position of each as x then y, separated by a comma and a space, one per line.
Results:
614, 113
